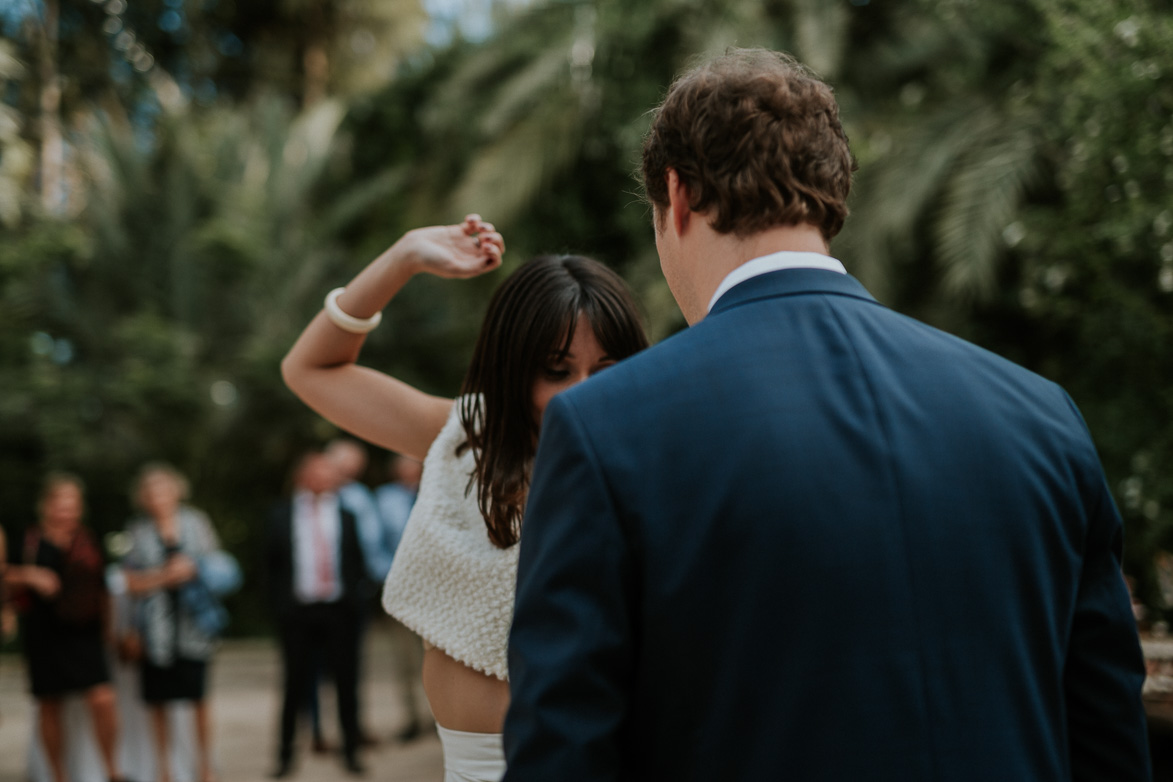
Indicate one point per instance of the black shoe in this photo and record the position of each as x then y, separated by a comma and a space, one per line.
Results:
354, 768
284, 770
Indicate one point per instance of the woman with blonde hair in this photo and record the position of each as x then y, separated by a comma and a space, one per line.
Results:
166, 543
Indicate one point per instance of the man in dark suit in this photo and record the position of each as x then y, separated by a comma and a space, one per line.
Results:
809, 538
315, 570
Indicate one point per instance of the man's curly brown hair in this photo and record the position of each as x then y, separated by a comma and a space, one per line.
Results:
756, 138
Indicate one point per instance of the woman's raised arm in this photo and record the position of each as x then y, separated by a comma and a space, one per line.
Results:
320, 367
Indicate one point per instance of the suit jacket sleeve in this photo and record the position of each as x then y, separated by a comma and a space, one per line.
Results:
571, 645
1105, 667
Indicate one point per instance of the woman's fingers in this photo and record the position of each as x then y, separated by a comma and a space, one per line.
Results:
472, 248
491, 241
473, 225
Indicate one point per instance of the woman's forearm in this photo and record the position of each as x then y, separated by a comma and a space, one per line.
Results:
320, 367
323, 346
21, 575
141, 582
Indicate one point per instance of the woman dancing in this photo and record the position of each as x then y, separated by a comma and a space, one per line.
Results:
553, 323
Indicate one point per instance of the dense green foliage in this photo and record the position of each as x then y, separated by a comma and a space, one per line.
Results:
1015, 163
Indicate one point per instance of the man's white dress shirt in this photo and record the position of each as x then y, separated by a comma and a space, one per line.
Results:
774, 262
317, 529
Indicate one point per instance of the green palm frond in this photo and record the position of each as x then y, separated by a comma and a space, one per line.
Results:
892, 195
821, 35
979, 202
17, 160
223, 206
508, 174
528, 87
302, 150
963, 172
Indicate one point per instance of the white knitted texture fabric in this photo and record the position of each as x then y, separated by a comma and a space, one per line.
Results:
448, 582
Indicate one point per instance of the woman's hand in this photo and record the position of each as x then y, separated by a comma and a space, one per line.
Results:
42, 580
321, 368
179, 570
452, 251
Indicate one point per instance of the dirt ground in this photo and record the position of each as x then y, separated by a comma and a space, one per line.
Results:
245, 697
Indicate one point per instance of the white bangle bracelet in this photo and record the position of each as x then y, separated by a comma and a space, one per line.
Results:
349, 322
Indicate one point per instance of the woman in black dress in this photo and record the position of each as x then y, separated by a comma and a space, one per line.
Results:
60, 585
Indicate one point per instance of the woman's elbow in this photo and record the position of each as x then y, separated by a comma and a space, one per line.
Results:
292, 371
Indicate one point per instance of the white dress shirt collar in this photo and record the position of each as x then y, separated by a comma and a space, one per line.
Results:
787, 259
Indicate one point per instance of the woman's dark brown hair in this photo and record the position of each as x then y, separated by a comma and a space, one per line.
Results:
529, 324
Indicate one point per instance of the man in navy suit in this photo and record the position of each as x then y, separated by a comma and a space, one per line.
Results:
809, 538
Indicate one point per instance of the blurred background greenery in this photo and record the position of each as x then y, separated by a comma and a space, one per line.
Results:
182, 180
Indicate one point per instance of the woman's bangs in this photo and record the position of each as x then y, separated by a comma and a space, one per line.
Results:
560, 336
613, 325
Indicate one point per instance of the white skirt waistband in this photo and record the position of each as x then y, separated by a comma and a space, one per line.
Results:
472, 757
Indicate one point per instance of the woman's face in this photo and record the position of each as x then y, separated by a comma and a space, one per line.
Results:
584, 358
159, 495
61, 511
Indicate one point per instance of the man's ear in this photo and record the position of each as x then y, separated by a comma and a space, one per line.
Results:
679, 203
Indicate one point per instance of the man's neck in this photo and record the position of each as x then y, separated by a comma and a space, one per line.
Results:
716, 255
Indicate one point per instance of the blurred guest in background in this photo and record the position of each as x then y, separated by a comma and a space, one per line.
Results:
166, 543
59, 581
136, 744
315, 570
7, 613
351, 460
395, 501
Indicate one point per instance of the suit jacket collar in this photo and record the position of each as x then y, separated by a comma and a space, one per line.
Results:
791, 282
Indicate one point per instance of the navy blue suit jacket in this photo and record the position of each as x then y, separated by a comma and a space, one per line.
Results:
812, 539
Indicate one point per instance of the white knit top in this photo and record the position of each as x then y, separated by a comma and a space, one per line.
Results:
448, 582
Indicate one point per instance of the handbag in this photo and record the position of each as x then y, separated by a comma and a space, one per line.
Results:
220, 573
205, 610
